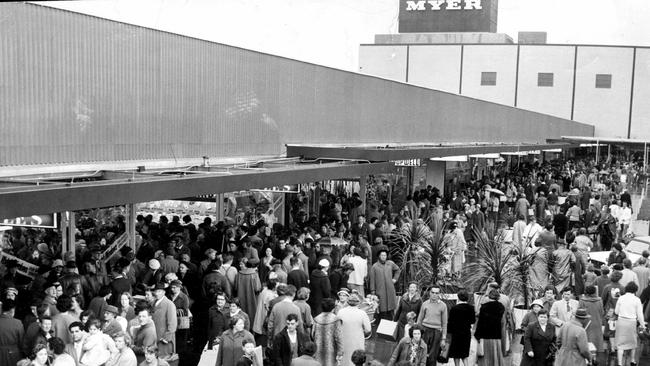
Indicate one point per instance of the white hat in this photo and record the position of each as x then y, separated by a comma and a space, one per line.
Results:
324, 263
154, 264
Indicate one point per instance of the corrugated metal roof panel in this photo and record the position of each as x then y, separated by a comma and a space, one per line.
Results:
77, 88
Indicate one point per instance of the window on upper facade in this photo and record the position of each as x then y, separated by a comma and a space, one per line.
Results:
488, 78
545, 79
604, 81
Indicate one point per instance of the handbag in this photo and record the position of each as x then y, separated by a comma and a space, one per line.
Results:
183, 319
443, 353
209, 356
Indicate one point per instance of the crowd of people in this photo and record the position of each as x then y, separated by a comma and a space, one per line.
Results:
310, 292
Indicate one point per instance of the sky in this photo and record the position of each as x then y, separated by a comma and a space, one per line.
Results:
329, 32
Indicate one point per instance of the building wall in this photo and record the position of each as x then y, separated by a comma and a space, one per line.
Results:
576, 98
607, 109
80, 89
640, 128
385, 62
555, 100
490, 58
426, 62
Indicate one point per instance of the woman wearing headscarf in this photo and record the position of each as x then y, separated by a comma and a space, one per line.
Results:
489, 330
594, 306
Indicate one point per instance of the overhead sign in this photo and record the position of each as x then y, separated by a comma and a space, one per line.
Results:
408, 162
24, 267
423, 16
44, 221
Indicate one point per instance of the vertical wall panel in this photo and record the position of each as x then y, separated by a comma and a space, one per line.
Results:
555, 100
78, 89
490, 58
435, 67
640, 106
387, 61
607, 109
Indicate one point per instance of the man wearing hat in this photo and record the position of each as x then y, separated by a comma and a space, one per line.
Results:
11, 334
165, 320
111, 326
574, 348
320, 287
383, 276
51, 295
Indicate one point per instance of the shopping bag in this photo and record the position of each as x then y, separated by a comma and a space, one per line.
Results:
443, 353
209, 357
480, 352
387, 329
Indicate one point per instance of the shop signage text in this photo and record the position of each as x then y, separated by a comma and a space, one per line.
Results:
408, 162
45, 221
419, 5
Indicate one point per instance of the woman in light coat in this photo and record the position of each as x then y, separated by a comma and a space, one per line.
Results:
327, 335
355, 326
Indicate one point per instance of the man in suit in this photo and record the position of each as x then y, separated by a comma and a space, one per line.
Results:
282, 351
165, 320
562, 310
75, 349
297, 277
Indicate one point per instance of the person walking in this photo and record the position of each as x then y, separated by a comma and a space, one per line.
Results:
630, 316
247, 287
230, 347
574, 349
289, 343
489, 330
327, 334
433, 318
383, 276
461, 319
409, 302
594, 306
355, 325
11, 334
411, 349
165, 321
537, 339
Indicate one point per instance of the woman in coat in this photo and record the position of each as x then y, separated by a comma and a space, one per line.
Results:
489, 329
459, 326
410, 301
320, 287
538, 338
594, 306
230, 347
412, 348
355, 326
248, 285
327, 335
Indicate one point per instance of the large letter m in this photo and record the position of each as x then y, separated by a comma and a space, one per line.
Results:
415, 5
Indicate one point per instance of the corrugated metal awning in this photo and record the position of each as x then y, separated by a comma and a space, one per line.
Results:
43, 194
395, 152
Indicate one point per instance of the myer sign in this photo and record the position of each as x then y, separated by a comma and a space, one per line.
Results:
424, 16
443, 4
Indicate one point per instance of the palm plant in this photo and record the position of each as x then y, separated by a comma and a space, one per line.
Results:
506, 264
418, 251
